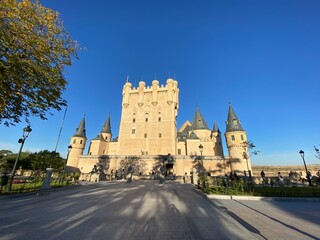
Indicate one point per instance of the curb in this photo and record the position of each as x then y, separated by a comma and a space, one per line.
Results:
257, 198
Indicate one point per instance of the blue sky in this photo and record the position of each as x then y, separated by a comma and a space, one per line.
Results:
263, 56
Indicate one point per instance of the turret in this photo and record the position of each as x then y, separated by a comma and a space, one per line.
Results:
126, 94
170, 92
141, 88
100, 144
155, 87
106, 130
235, 139
217, 142
78, 143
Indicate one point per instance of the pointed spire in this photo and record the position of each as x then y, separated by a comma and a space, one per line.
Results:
233, 123
215, 128
198, 121
107, 126
81, 130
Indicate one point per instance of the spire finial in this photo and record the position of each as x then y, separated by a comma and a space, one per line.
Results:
127, 80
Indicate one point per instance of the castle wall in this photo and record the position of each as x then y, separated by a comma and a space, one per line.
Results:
149, 165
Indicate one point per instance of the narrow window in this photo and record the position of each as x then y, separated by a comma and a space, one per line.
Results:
159, 119
179, 151
80, 141
133, 131
134, 120
106, 138
146, 119
145, 135
159, 135
103, 151
232, 138
74, 140
90, 153
242, 137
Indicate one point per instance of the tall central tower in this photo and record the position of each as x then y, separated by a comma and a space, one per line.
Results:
148, 119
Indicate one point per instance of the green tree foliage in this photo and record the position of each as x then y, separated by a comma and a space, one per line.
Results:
4, 152
33, 161
44, 159
7, 161
34, 50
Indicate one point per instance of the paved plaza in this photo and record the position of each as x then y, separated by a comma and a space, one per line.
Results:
149, 210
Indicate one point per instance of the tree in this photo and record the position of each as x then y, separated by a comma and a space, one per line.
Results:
33, 161
7, 161
34, 50
4, 152
317, 152
44, 159
248, 151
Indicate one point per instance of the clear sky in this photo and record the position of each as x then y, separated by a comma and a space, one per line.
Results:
262, 56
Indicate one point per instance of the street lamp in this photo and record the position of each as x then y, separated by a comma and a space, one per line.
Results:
201, 171
65, 164
201, 149
26, 131
305, 166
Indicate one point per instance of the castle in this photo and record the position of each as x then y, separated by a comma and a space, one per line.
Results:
149, 142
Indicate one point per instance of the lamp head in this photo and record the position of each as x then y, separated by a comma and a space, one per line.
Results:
26, 131
302, 153
200, 147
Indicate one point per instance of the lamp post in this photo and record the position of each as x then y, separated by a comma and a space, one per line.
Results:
202, 172
305, 166
26, 131
65, 164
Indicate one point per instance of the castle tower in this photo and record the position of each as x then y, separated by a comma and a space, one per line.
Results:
236, 139
100, 144
217, 141
148, 119
78, 143
202, 131
106, 130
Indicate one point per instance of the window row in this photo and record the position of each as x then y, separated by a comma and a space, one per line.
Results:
75, 141
233, 138
146, 119
133, 131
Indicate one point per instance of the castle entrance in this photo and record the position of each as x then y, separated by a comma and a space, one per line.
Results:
169, 170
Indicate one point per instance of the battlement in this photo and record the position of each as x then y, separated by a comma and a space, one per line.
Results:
144, 93
155, 85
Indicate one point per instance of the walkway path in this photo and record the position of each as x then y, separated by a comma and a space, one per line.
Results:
137, 210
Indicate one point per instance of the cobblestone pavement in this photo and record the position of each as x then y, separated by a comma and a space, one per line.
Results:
119, 210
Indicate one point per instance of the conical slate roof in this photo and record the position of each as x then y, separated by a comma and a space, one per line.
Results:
192, 136
81, 130
107, 126
198, 121
99, 137
215, 128
233, 123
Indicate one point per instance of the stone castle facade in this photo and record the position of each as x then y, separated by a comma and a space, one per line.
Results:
150, 143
